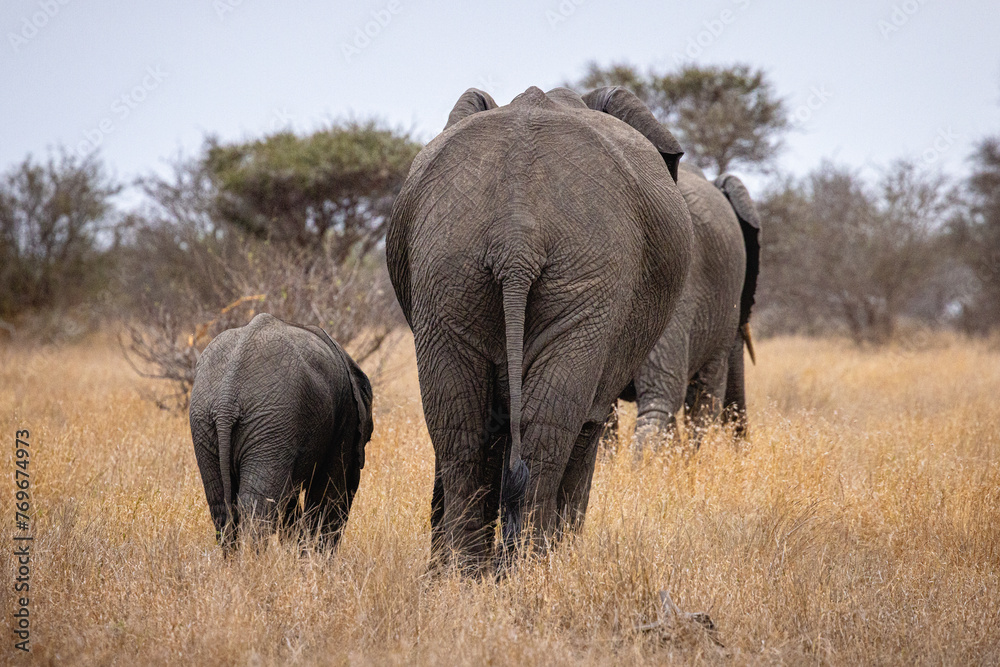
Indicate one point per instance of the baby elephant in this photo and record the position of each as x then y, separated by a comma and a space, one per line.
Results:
277, 408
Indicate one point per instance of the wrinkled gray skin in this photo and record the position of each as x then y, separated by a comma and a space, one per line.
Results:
537, 251
277, 407
698, 360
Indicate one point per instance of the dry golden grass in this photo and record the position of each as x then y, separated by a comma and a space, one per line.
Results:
861, 524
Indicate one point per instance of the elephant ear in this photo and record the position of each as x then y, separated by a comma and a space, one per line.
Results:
625, 106
745, 210
472, 101
361, 390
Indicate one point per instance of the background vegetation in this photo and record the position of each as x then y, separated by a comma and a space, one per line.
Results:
293, 224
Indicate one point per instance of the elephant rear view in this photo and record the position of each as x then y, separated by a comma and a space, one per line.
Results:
537, 251
698, 361
276, 408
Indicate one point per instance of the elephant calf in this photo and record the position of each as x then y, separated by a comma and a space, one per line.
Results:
276, 408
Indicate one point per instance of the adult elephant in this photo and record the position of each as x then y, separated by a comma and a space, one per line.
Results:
537, 251
276, 407
698, 360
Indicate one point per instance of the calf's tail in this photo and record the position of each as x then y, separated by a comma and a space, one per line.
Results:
223, 428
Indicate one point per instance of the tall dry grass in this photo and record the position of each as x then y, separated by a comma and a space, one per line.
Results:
860, 524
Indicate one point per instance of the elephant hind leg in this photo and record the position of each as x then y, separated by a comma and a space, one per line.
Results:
659, 397
438, 534
735, 403
327, 508
705, 394
326, 520
456, 389
497, 439
660, 384
498, 444
258, 514
560, 391
206, 449
574, 491
265, 501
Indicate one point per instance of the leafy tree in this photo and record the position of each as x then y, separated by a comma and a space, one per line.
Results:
284, 225
723, 116
620, 74
333, 187
52, 215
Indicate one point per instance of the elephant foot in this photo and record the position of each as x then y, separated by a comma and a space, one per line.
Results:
469, 554
653, 430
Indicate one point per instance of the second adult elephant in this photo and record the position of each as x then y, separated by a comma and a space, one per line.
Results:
698, 360
537, 251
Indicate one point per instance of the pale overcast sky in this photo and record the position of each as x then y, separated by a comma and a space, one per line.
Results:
884, 78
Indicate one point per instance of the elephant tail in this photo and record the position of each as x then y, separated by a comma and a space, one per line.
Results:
223, 428
514, 484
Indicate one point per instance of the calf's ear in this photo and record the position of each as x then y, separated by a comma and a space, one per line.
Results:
472, 101
361, 391
626, 107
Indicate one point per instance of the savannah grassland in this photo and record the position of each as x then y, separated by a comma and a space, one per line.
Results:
860, 524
